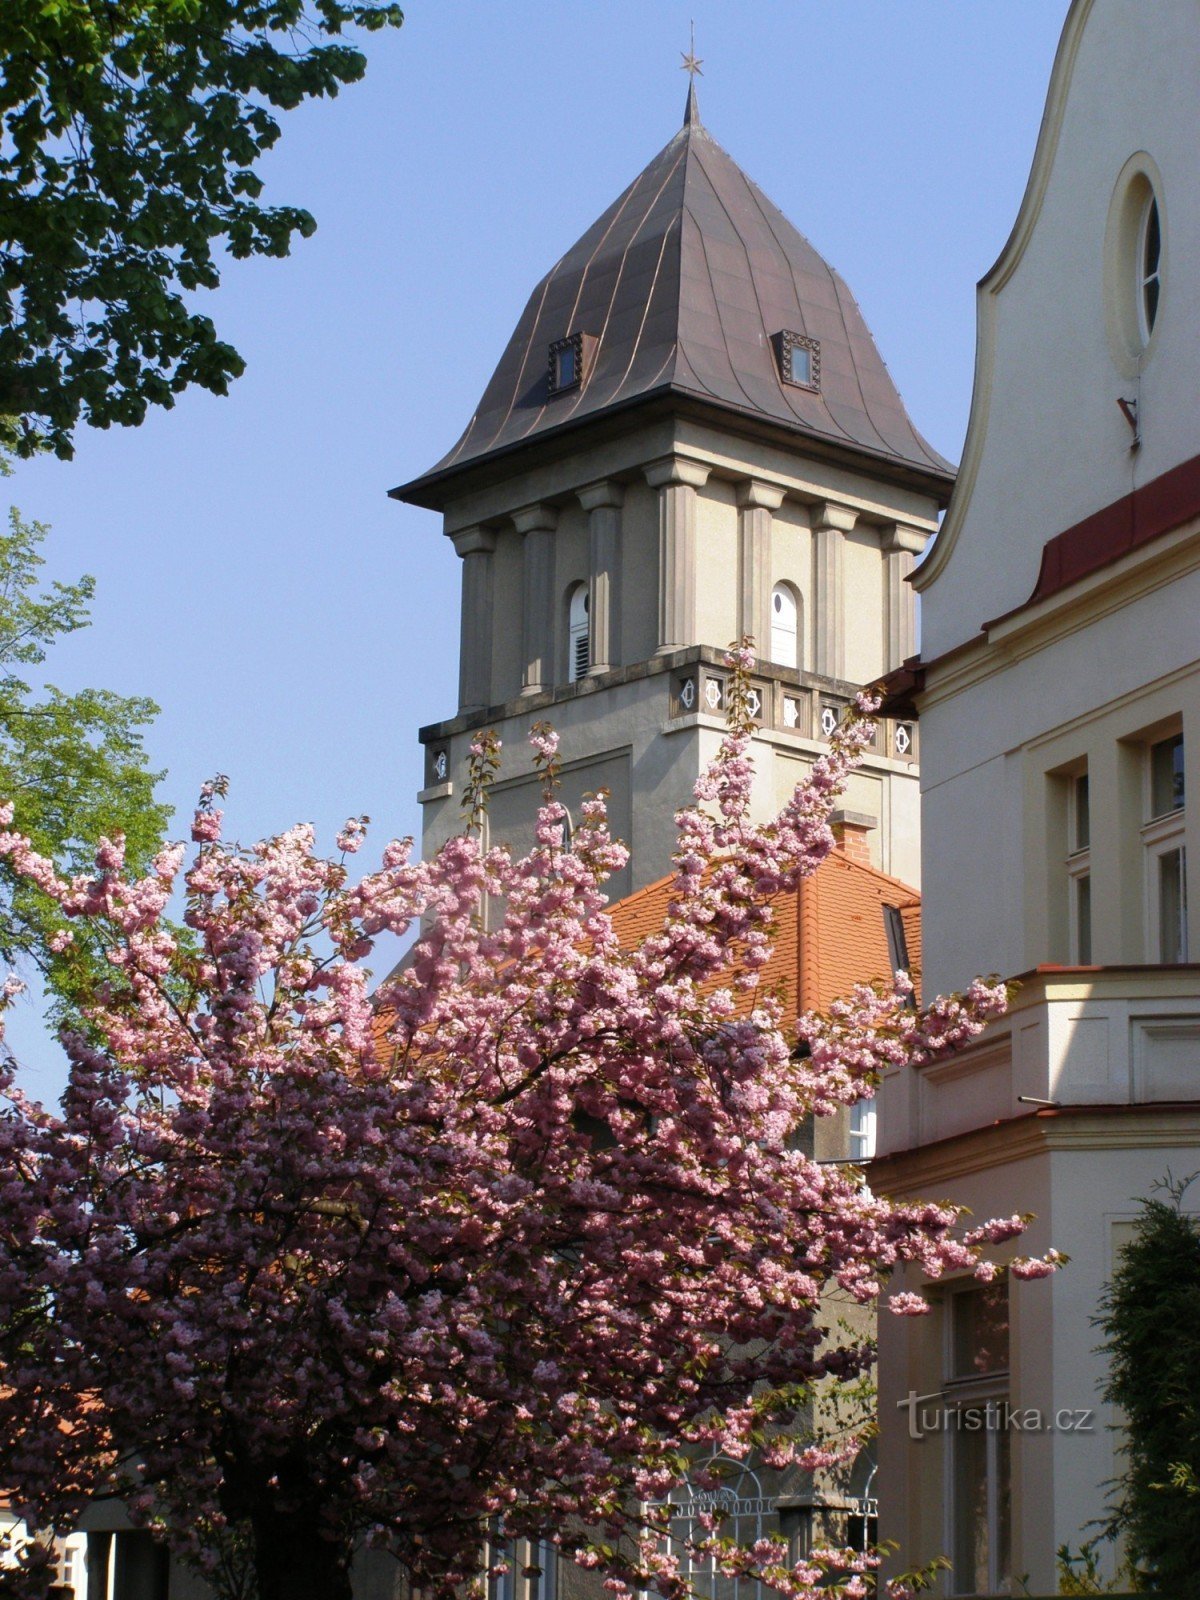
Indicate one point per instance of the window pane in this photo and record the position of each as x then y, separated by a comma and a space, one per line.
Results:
801, 364
862, 1130
565, 367
1001, 1540
1166, 776
1151, 293
1172, 906
1153, 241
1083, 921
1083, 819
970, 1507
979, 1330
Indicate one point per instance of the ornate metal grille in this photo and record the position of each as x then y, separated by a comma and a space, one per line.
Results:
746, 1514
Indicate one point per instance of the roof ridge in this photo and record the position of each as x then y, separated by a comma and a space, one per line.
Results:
851, 863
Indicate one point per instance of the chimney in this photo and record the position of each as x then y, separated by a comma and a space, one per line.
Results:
850, 830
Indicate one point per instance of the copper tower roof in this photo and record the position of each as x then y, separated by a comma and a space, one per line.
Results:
683, 282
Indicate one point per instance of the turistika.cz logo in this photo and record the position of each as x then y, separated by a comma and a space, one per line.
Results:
929, 1413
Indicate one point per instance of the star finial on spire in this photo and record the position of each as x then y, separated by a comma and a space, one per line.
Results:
690, 63
694, 69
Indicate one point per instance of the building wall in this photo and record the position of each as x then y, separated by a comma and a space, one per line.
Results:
1084, 1184
1047, 444
1091, 687
621, 729
1022, 697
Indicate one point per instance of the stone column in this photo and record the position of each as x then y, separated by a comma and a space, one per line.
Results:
901, 546
756, 501
829, 523
475, 546
602, 502
676, 482
536, 525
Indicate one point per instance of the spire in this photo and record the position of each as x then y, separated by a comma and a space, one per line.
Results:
693, 67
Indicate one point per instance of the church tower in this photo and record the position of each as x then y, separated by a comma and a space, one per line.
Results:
690, 436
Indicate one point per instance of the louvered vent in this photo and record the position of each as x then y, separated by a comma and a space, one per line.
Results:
579, 634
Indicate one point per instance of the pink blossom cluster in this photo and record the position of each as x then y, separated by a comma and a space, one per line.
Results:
512, 1236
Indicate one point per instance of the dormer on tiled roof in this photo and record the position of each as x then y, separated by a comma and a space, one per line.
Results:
830, 933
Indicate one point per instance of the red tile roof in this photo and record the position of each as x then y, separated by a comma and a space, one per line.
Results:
830, 933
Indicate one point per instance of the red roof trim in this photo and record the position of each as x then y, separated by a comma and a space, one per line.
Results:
1155, 508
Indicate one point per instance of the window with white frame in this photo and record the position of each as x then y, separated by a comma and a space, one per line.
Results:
578, 634
1163, 838
785, 626
978, 1466
531, 1569
862, 1130
1079, 869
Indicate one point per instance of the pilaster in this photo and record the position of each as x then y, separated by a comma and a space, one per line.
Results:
475, 547
829, 523
602, 502
676, 481
536, 525
756, 501
901, 546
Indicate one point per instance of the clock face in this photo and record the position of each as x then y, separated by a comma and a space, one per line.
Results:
903, 739
829, 721
441, 766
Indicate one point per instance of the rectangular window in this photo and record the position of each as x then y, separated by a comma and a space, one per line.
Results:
977, 1442
862, 1130
1166, 776
1079, 870
1165, 844
1083, 919
978, 1332
1172, 905
564, 374
543, 1571
1081, 820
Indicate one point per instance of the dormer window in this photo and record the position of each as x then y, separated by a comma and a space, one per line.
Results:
799, 359
569, 358
566, 366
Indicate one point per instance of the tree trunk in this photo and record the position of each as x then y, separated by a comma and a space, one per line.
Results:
293, 1562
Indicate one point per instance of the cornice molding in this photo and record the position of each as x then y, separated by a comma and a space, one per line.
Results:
1041, 1133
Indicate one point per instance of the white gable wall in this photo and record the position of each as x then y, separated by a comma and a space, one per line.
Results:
1047, 445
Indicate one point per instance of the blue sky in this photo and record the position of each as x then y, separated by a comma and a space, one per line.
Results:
294, 624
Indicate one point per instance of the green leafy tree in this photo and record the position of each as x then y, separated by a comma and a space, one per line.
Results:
129, 134
1151, 1318
73, 765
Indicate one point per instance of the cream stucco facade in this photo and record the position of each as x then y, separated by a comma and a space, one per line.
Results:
1058, 691
697, 527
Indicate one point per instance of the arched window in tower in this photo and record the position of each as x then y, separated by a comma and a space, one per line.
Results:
578, 640
785, 625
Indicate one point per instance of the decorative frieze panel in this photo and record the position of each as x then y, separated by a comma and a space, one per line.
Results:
809, 713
